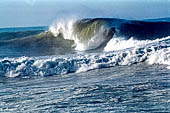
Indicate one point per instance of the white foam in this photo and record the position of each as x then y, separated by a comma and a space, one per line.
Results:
160, 57
119, 43
157, 52
66, 28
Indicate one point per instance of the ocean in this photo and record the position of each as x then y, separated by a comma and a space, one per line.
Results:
86, 65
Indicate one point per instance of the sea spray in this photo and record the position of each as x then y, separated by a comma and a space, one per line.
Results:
87, 34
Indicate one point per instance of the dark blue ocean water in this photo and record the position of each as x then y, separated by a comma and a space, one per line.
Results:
17, 29
138, 88
40, 73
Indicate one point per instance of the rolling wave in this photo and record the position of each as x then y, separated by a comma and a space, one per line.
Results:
87, 34
52, 52
157, 52
93, 33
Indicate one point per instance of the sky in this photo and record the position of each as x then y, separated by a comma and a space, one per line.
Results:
23, 13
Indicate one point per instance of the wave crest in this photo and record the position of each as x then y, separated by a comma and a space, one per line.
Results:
87, 33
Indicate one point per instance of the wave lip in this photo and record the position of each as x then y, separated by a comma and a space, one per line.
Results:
86, 33
94, 33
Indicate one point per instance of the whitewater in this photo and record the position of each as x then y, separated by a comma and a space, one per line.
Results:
86, 65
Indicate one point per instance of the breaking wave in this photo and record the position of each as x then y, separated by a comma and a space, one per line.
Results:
122, 42
94, 33
87, 33
151, 52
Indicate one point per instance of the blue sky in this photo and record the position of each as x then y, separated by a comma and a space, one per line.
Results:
19, 13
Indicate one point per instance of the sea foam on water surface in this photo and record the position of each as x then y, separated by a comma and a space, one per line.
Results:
89, 34
151, 52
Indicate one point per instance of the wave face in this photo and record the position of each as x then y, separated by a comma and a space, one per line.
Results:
93, 33
80, 35
112, 42
86, 33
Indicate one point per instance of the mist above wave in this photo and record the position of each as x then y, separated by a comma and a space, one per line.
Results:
93, 33
86, 33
